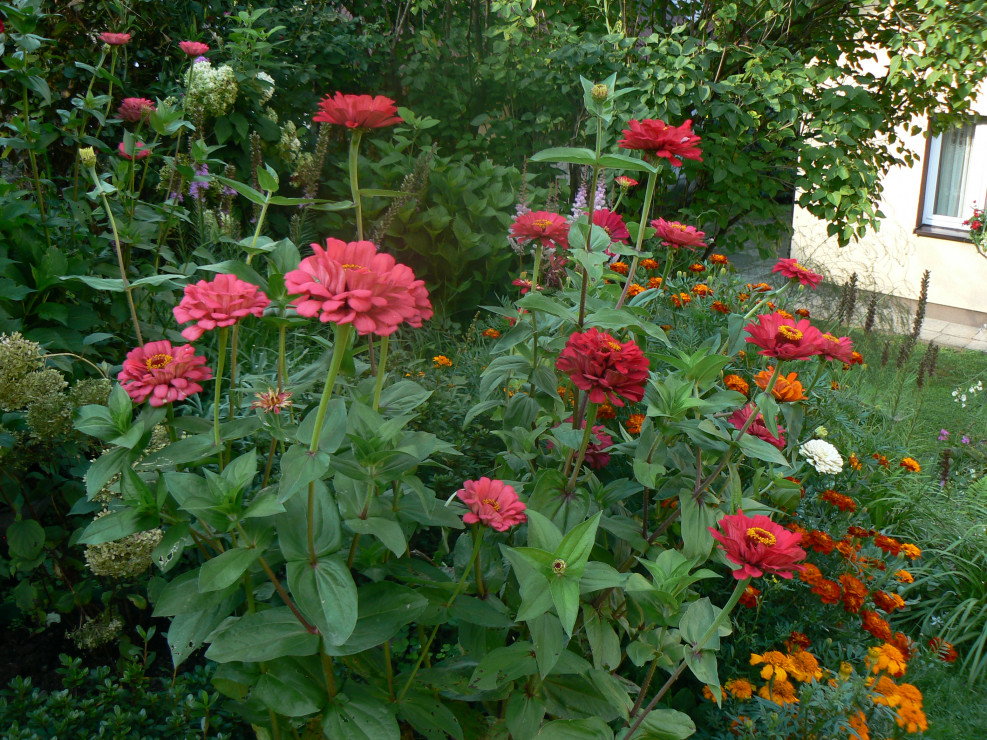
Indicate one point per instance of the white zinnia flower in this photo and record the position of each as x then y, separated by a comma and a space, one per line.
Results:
821, 455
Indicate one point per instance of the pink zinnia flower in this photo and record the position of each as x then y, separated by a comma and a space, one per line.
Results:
607, 369
758, 546
193, 48
272, 401
140, 150
219, 303
542, 225
657, 138
358, 111
779, 336
836, 348
493, 503
791, 269
758, 428
613, 224
134, 109
352, 283
674, 234
114, 39
164, 373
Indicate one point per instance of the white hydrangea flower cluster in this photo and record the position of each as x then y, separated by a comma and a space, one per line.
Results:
290, 145
822, 456
211, 90
124, 558
268, 90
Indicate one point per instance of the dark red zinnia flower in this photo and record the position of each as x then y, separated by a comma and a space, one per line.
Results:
542, 225
357, 111
758, 428
758, 546
660, 140
613, 224
608, 370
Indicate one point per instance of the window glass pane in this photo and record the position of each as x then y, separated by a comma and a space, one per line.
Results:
954, 165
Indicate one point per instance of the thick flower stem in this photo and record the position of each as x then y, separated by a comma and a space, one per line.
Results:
354, 180
680, 669
534, 317
591, 195
765, 298
649, 195
581, 455
233, 350
381, 364
477, 541
224, 333
481, 590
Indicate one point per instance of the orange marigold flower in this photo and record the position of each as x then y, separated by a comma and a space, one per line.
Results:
855, 531
783, 313
944, 650
854, 593
854, 461
736, 383
758, 287
650, 264
719, 259
904, 576
856, 358
654, 282
833, 385
740, 688
876, 625
441, 361
681, 299
708, 693
828, 591
620, 267
881, 460
719, 307
634, 289
911, 465
858, 723
905, 644
786, 389
606, 411
634, 422
889, 544
665, 327
797, 641
803, 666
491, 333
810, 571
910, 551
776, 665
889, 603
780, 692
839, 500
911, 718
701, 289
773, 307
697, 267
743, 296
886, 692
750, 598
848, 549
803, 312
887, 658
819, 541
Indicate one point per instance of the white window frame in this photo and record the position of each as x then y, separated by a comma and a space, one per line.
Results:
976, 184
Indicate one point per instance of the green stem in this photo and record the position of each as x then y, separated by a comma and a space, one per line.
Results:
649, 195
534, 318
233, 349
341, 344
587, 431
282, 355
481, 590
477, 541
220, 366
591, 198
381, 363
34, 165
354, 180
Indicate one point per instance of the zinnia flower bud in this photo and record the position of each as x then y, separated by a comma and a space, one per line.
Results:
600, 92
87, 156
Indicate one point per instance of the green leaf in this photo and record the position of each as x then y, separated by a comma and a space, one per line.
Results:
116, 525
267, 178
702, 663
333, 429
326, 595
363, 718
402, 397
262, 636
603, 640
625, 162
502, 665
387, 531
542, 533
572, 155
291, 688
292, 526
96, 422
577, 544
105, 467
761, 450
429, 716
524, 715
575, 729
299, 467
565, 596
25, 539
549, 642
226, 568
384, 608
696, 521
187, 632
664, 724
181, 596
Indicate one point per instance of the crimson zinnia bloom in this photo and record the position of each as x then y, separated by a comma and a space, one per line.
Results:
163, 373
791, 269
134, 109
836, 348
758, 546
357, 111
779, 336
657, 138
542, 225
758, 428
613, 224
492, 503
625, 182
219, 303
607, 369
352, 283
140, 150
674, 234
193, 48
114, 39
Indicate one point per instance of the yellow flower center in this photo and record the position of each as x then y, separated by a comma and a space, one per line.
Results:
797, 266
831, 338
614, 346
680, 227
495, 505
541, 223
756, 534
156, 362
789, 332
352, 267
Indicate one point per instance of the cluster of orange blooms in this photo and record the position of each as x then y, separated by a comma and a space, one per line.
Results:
680, 299
787, 388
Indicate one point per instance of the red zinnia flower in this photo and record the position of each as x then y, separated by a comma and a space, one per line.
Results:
675, 234
542, 225
352, 283
791, 269
140, 150
219, 303
493, 503
758, 546
114, 39
759, 429
613, 224
836, 348
783, 338
656, 137
625, 182
163, 373
193, 48
751, 597
134, 109
357, 111
607, 369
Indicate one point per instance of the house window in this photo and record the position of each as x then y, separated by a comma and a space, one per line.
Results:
956, 176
